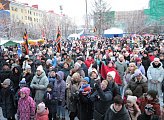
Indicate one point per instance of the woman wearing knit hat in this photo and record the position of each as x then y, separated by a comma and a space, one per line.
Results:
132, 107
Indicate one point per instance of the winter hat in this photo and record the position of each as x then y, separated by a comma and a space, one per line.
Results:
120, 55
86, 79
138, 59
112, 74
157, 59
41, 107
137, 72
28, 67
94, 70
22, 82
49, 61
152, 93
128, 92
85, 88
77, 64
132, 99
6, 82
26, 56
40, 67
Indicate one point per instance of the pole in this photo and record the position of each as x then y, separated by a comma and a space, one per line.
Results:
86, 14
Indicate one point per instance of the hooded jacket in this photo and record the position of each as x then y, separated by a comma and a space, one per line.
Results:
111, 114
59, 88
26, 106
43, 115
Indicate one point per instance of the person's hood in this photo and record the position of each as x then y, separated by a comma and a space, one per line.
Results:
18, 68
42, 75
151, 64
60, 74
26, 91
121, 112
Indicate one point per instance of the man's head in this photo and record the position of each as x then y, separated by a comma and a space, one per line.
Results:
118, 103
39, 70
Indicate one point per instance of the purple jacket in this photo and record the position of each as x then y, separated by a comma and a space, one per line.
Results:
59, 88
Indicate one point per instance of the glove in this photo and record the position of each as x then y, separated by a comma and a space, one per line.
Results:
59, 103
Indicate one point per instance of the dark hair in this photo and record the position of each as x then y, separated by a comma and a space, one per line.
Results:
118, 100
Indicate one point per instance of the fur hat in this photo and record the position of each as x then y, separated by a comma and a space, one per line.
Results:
132, 99
6, 82
28, 67
137, 72
40, 67
112, 74
94, 70
41, 107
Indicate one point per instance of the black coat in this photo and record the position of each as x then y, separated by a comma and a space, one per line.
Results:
143, 116
28, 77
146, 63
121, 115
16, 77
7, 102
50, 103
86, 107
102, 100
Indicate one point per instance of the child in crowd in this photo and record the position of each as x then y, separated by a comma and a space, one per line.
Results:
26, 105
42, 112
50, 103
7, 100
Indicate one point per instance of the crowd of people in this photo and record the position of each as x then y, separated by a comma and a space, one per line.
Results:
103, 79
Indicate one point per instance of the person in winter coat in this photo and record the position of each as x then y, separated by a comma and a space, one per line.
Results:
129, 73
89, 61
140, 66
148, 114
26, 105
16, 77
7, 100
150, 98
5, 73
117, 110
85, 104
42, 112
50, 103
145, 61
155, 76
39, 84
110, 68
121, 66
65, 69
73, 95
59, 94
138, 84
132, 107
28, 75
101, 98
52, 76
112, 85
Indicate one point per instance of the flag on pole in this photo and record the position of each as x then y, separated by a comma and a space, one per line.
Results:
19, 51
25, 38
58, 43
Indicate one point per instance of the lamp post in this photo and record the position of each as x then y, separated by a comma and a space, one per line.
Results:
86, 10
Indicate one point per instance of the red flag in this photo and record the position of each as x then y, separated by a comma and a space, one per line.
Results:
58, 43
25, 38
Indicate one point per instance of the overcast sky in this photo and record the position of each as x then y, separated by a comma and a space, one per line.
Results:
76, 8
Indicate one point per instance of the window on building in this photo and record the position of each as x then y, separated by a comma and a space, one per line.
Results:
34, 13
21, 10
25, 17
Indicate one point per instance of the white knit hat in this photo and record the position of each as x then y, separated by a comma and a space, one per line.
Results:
132, 99
28, 67
94, 70
77, 64
112, 74
41, 107
40, 67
